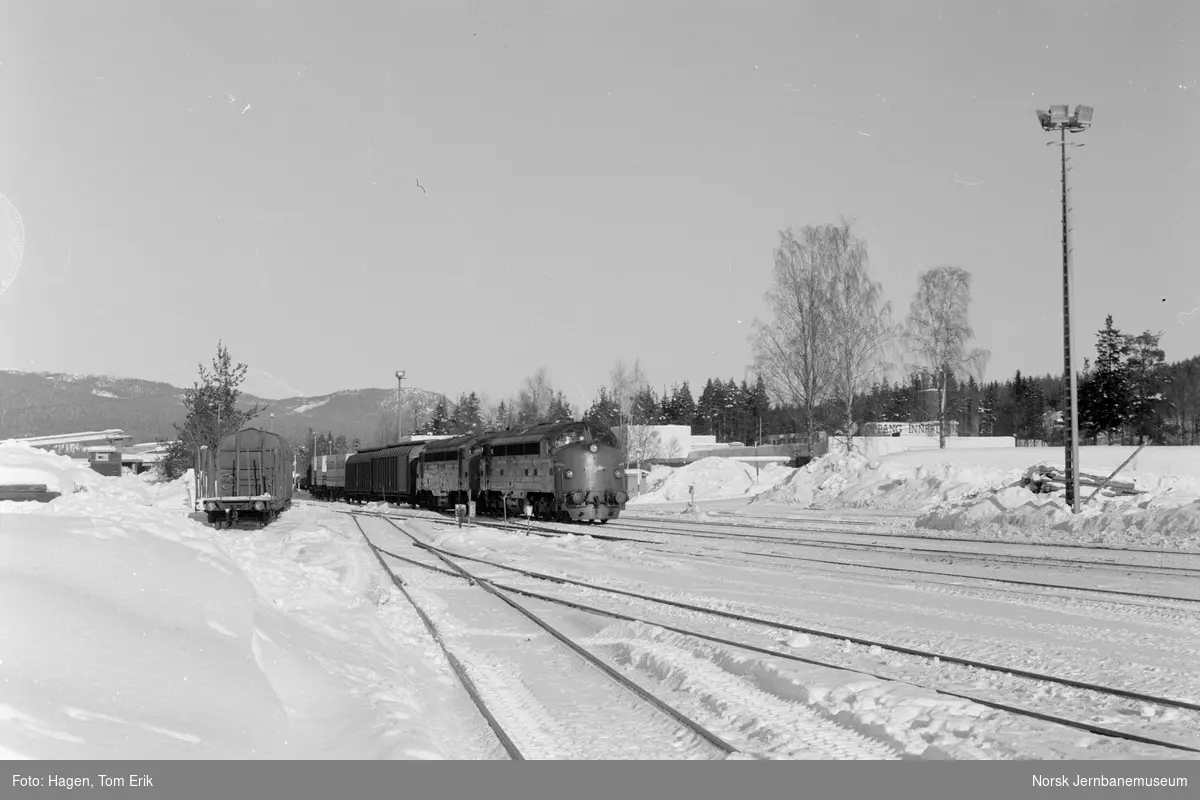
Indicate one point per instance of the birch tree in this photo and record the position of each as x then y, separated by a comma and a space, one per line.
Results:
938, 330
860, 324
535, 398
792, 352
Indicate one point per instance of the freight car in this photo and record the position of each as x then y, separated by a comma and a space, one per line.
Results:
327, 477
248, 475
568, 471
385, 474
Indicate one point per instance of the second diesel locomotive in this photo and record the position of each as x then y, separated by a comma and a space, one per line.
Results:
566, 471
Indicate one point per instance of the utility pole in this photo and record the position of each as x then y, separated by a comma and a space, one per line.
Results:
399, 418
1057, 119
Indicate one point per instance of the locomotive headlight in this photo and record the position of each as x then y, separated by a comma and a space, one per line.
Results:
259, 506
569, 473
577, 497
210, 506
593, 448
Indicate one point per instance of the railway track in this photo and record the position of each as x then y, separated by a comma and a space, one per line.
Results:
517, 710
811, 733
1104, 696
847, 527
720, 552
877, 547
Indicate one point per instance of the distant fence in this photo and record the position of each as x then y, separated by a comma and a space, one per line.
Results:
1031, 443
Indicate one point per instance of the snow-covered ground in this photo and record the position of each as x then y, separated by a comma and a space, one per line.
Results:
132, 631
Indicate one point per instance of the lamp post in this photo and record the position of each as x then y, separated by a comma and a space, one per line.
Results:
399, 419
1057, 119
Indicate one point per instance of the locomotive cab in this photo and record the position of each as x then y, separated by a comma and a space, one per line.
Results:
588, 475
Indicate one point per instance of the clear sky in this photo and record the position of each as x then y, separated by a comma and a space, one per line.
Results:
601, 180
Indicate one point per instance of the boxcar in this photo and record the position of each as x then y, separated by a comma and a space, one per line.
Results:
328, 477
385, 474
249, 475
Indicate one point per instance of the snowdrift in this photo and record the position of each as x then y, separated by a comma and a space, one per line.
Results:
133, 632
712, 478
24, 464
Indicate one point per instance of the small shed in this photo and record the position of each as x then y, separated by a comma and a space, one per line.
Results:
105, 459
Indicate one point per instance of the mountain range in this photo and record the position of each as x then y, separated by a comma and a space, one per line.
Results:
42, 404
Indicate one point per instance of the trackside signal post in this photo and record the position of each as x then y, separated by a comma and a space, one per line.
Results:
1057, 119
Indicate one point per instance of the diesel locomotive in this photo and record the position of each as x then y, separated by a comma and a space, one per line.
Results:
565, 471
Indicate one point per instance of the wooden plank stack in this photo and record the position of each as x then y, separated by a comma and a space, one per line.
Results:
35, 492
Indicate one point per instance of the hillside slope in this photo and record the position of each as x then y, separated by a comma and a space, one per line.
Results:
40, 404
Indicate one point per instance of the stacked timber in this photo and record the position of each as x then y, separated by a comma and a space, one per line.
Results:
1047, 479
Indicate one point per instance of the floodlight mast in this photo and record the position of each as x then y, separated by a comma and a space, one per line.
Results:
399, 419
1057, 119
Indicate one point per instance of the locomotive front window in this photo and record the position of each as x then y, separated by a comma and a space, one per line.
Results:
604, 436
569, 436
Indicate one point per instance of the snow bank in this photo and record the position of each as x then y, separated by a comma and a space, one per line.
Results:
142, 634
817, 482
713, 478
24, 464
134, 640
993, 490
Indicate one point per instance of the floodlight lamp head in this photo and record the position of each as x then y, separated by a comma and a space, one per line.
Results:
1058, 115
1082, 117
400, 374
1044, 118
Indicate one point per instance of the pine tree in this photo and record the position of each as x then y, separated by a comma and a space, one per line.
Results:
439, 423
211, 404
987, 409
467, 417
1104, 405
604, 410
645, 407
1145, 368
683, 406
705, 419
505, 416
560, 408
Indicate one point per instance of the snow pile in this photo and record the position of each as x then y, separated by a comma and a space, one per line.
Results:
1156, 498
817, 482
889, 484
145, 635
22, 464
1168, 516
712, 478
